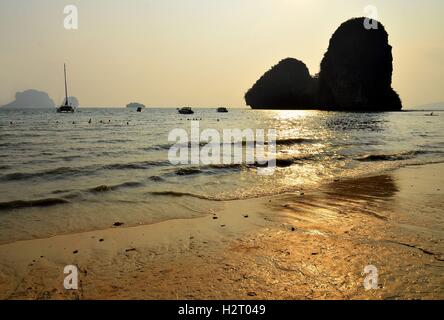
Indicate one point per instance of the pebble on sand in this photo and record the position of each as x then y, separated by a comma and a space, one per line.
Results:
118, 224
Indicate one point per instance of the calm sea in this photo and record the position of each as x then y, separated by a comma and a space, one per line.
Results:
60, 174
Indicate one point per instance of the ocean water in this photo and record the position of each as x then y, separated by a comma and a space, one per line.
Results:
61, 174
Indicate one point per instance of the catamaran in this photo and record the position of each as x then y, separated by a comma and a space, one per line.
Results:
66, 107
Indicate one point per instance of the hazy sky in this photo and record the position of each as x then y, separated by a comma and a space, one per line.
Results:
200, 52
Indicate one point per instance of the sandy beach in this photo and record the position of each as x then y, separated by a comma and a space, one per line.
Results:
310, 244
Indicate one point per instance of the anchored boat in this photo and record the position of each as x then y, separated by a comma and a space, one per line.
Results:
66, 107
186, 110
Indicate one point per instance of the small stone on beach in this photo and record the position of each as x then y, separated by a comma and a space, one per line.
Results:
75, 251
118, 224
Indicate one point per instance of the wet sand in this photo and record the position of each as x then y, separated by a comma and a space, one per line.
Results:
311, 244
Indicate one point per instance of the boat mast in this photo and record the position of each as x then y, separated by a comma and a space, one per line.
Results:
66, 86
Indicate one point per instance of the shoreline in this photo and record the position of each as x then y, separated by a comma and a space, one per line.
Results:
308, 245
216, 204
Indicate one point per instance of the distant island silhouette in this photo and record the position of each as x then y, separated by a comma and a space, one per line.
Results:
355, 75
436, 106
135, 105
37, 100
31, 99
73, 101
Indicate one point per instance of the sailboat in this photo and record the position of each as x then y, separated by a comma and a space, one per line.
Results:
66, 106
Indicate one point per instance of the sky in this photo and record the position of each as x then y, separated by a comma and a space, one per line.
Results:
202, 53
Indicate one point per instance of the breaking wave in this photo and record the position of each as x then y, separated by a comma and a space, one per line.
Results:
181, 194
393, 157
279, 142
83, 171
19, 204
106, 188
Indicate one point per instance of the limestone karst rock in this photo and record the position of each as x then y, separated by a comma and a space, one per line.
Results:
73, 101
356, 75
356, 71
287, 85
32, 99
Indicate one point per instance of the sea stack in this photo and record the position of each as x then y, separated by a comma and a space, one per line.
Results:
356, 71
355, 75
287, 85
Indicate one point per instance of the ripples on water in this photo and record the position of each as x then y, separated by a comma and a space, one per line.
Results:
63, 174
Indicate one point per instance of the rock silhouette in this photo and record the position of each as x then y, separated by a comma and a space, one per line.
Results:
135, 105
356, 71
286, 85
32, 99
355, 75
74, 102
